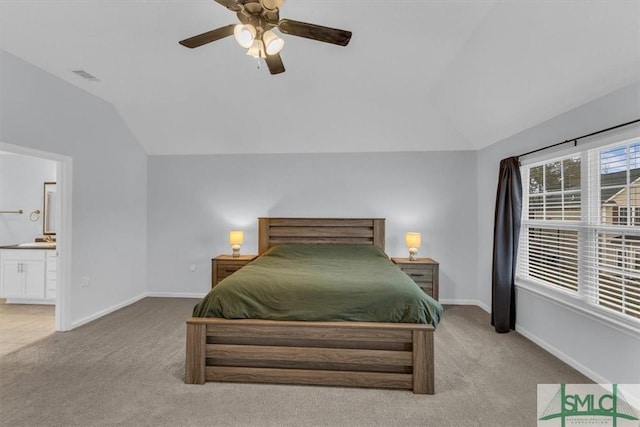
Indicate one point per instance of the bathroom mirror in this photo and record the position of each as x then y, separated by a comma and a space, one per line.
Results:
49, 209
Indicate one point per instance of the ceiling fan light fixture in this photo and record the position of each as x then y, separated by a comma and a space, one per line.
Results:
257, 19
273, 44
257, 49
244, 34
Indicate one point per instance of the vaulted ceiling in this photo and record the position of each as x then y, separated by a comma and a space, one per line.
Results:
418, 75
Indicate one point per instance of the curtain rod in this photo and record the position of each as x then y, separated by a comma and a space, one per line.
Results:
575, 140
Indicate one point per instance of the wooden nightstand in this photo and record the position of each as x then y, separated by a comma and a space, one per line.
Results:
225, 265
424, 271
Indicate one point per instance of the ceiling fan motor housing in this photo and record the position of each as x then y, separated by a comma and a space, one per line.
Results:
271, 4
253, 13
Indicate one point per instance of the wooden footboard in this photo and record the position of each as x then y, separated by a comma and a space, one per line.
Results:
352, 354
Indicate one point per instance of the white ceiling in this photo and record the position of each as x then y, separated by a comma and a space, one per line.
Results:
418, 75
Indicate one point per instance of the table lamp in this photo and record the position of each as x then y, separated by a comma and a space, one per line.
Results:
235, 239
413, 241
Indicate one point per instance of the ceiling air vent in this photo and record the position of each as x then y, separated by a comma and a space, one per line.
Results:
85, 75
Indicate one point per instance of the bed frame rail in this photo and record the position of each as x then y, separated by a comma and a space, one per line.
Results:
352, 354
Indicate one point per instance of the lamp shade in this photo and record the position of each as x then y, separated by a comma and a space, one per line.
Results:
413, 240
244, 34
236, 237
273, 44
257, 49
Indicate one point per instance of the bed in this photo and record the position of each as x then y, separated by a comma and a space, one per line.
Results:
277, 349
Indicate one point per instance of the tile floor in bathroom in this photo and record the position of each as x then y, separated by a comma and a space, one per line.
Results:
23, 324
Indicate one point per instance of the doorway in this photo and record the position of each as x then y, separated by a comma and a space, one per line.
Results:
59, 216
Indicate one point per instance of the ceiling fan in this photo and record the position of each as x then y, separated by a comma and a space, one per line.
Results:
255, 32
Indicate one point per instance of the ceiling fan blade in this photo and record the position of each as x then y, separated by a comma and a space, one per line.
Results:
274, 62
208, 37
230, 4
315, 32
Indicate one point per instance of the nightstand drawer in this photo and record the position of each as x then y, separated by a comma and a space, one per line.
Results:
419, 274
224, 266
225, 270
424, 272
426, 287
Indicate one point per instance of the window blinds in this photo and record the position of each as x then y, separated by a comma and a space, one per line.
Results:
581, 226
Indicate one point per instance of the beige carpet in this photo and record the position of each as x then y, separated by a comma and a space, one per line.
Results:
127, 369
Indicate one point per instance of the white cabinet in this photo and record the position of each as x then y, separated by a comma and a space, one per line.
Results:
51, 259
27, 276
12, 279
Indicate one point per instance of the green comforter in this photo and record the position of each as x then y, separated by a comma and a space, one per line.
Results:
321, 283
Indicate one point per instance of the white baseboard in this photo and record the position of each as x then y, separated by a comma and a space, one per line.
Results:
629, 394
106, 311
562, 356
537, 340
133, 300
197, 295
466, 302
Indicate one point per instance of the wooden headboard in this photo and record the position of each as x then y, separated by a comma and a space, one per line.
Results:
276, 231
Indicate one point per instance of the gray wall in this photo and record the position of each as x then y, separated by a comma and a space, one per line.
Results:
603, 352
41, 112
195, 200
22, 181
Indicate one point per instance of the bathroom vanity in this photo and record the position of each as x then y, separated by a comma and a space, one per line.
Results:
28, 270
28, 273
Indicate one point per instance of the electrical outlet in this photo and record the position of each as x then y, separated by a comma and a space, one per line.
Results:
192, 267
85, 281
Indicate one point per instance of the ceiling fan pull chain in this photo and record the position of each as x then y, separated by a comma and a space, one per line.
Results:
258, 62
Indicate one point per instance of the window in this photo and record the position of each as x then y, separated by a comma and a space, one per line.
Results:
581, 227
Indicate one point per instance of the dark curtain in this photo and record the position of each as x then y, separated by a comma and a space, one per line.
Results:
506, 233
